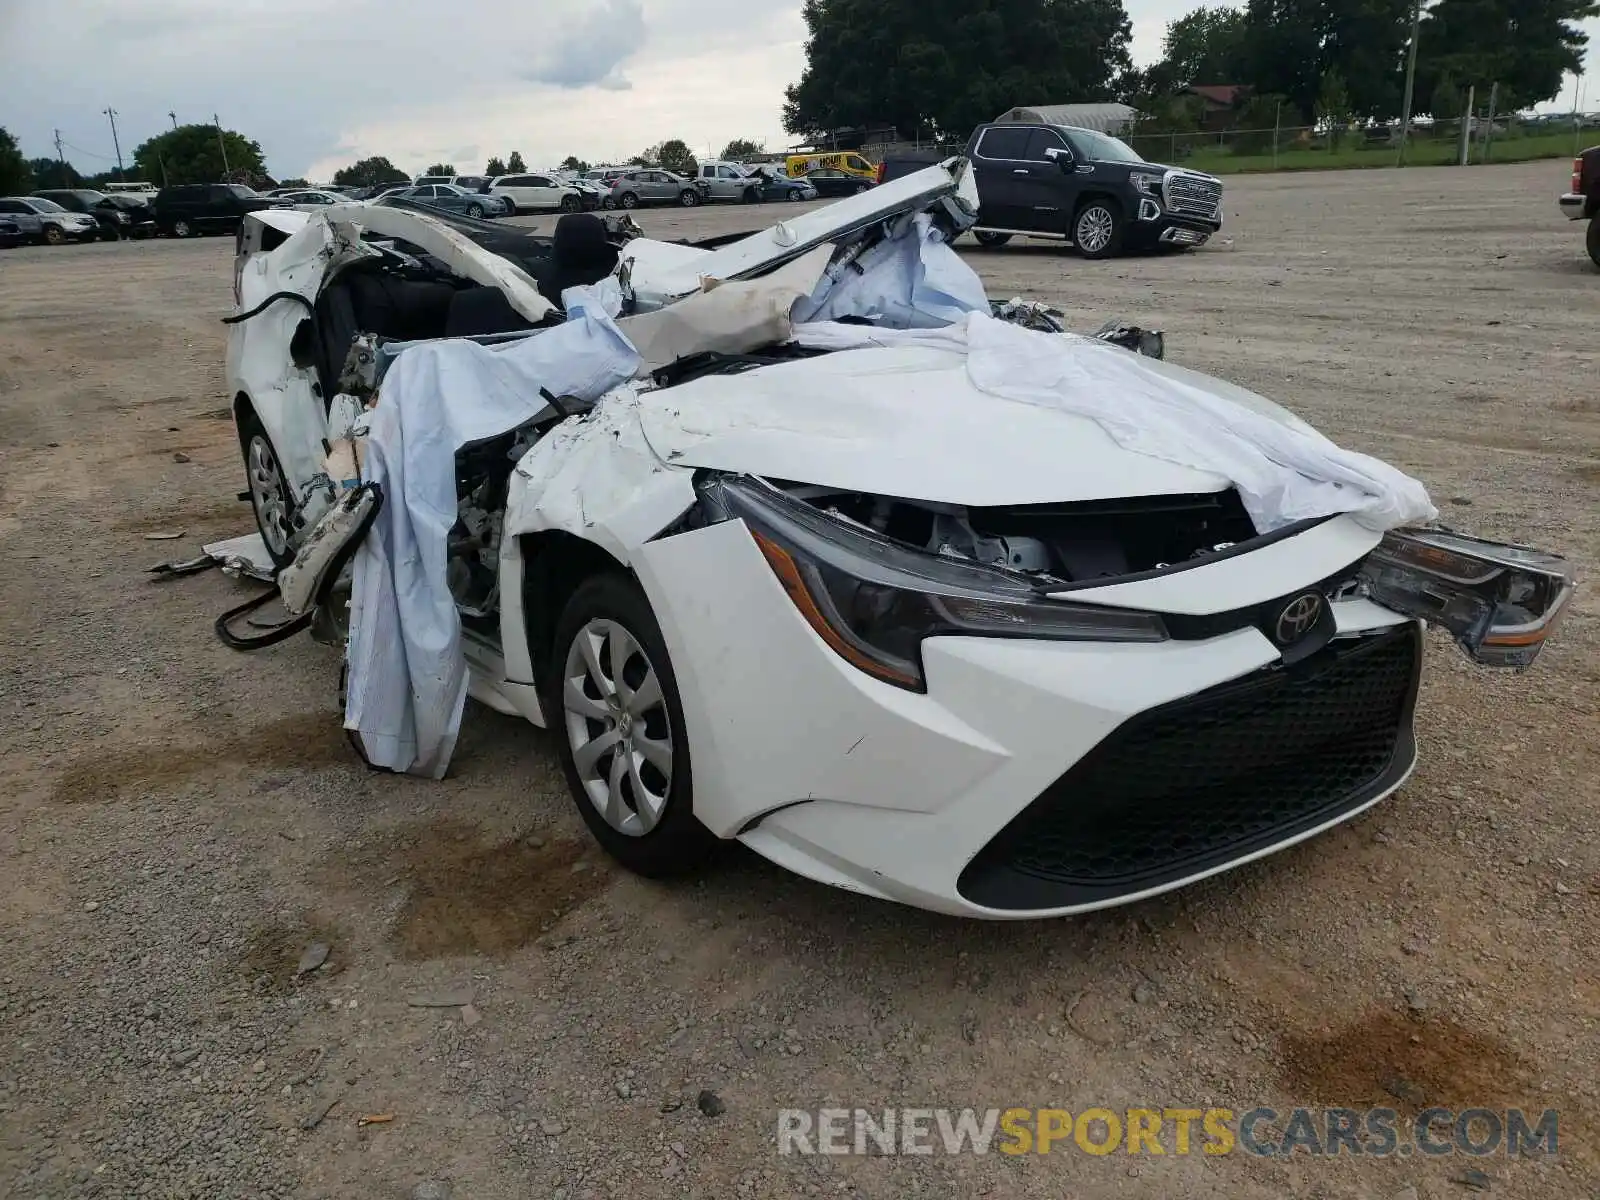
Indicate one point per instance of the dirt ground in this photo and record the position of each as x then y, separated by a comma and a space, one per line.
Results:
178, 823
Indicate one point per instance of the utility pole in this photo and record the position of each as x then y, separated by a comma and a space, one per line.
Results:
112, 113
174, 117
1488, 126
61, 158
1466, 124
1411, 79
221, 145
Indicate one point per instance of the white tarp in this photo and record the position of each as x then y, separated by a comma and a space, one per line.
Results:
913, 280
1284, 470
408, 681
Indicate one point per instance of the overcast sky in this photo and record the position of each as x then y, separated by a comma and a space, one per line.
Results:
320, 83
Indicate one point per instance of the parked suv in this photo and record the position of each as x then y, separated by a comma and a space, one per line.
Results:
1582, 203
114, 222
729, 181
652, 185
529, 192
46, 221
187, 209
1086, 188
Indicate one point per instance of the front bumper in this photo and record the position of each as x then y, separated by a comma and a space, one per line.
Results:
1574, 207
1154, 223
1032, 778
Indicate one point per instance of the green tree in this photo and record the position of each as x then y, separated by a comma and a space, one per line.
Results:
294, 183
1523, 45
947, 65
674, 155
573, 163
1205, 46
514, 164
1445, 103
193, 154
650, 156
1289, 46
495, 167
15, 174
370, 172
1333, 107
52, 173
742, 148
442, 169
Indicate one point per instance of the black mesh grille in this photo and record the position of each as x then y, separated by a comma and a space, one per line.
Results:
1210, 778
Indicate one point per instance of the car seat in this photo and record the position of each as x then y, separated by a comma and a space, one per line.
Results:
580, 253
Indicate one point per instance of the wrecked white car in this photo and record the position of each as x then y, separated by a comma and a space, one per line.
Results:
799, 540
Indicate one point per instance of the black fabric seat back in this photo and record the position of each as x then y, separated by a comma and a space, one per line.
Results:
580, 254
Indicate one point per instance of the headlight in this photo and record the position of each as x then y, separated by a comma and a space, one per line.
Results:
1149, 185
873, 600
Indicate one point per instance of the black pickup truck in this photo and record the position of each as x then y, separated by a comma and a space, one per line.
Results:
1081, 187
1582, 203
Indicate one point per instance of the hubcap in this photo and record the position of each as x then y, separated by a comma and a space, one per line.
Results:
268, 494
617, 726
1094, 229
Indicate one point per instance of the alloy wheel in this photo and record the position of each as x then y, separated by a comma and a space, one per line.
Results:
1095, 228
617, 726
269, 494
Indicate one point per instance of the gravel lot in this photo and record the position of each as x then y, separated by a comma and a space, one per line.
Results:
180, 823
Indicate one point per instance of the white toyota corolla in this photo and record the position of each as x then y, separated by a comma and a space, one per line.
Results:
797, 540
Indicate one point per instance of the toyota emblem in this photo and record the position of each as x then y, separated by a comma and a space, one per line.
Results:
1298, 618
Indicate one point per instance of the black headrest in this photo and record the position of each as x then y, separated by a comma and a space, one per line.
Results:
581, 238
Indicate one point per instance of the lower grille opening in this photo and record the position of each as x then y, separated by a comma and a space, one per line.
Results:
1211, 778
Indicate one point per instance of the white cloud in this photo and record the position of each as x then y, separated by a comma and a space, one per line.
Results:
589, 46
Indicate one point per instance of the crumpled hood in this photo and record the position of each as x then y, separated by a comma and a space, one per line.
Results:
984, 412
905, 421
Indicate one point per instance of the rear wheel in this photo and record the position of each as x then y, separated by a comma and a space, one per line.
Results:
614, 708
1594, 240
991, 240
182, 229
1097, 229
270, 496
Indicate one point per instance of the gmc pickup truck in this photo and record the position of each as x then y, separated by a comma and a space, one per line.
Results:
1582, 203
1081, 187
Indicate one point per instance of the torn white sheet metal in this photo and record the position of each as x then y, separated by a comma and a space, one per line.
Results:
910, 280
460, 253
658, 277
910, 416
407, 680
597, 478
244, 557
728, 318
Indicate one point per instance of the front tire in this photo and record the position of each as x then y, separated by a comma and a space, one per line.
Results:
618, 720
182, 229
992, 241
1594, 240
629, 200
571, 204
688, 197
1097, 229
475, 211
53, 236
270, 497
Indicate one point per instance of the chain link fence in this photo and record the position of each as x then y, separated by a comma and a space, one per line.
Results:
1431, 143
